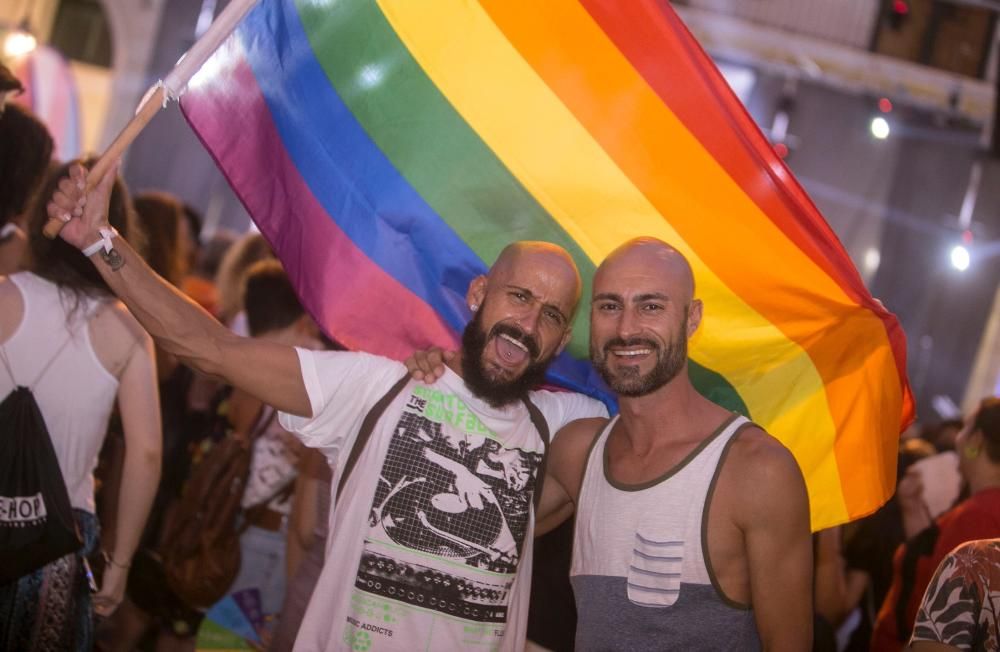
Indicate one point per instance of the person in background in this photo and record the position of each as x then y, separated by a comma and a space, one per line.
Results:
162, 218
199, 284
249, 249
273, 314
307, 534
9, 86
943, 435
216, 283
63, 334
977, 517
959, 609
191, 232
854, 561
25, 156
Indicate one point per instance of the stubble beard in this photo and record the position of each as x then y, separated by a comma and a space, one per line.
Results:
628, 381
495, 391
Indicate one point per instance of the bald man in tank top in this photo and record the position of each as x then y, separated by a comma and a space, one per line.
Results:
692, 523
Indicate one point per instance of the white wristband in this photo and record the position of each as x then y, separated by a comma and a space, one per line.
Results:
104, 243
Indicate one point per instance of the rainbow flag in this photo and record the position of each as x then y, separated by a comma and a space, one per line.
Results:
389, 149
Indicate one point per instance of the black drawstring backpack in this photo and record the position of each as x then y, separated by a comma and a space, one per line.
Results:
36, 519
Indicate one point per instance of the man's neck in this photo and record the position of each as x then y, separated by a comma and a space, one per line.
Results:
671, 413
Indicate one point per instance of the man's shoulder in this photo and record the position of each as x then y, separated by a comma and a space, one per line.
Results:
577, 405
560, 408
341, 385
576, 438
762, 467
358, 362
341, 378
753, 444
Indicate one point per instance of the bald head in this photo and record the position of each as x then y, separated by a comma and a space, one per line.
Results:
539, 258
651, 257
522, 318
642, 313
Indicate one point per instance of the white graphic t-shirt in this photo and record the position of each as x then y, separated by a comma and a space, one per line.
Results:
429, 545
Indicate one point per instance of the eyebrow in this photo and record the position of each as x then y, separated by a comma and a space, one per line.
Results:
531, 295
639, 298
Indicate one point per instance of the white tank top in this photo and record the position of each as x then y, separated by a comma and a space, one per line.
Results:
639, 568
75, 393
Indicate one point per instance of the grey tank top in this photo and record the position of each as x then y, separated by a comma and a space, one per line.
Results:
640, 572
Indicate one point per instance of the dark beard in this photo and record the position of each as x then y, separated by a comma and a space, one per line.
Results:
629, 383
498, 393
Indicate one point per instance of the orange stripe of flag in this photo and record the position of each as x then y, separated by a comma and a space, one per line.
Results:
556, 35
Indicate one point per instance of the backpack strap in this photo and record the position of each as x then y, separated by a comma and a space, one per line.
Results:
367, 426
543, 431
34, 383
6, 365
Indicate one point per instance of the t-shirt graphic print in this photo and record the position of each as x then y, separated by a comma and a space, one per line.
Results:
446, 527
426, 546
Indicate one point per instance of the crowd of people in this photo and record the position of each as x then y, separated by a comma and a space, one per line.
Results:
220, 453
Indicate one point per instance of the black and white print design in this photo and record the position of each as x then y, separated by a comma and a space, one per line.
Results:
454, 495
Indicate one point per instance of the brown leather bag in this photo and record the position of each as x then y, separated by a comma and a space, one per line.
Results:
201, 537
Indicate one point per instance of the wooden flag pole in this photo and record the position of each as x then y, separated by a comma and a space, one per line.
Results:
170, 88
149, 108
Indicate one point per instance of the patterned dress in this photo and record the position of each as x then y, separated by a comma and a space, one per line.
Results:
962, 601
50, 610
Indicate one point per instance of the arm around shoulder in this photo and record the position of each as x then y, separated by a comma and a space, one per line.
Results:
566, 464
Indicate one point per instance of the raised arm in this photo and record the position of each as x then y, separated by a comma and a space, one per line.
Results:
267, 370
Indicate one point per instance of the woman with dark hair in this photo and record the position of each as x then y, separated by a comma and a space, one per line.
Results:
25, 155
65, 336
976, 517
231, 276
161, 217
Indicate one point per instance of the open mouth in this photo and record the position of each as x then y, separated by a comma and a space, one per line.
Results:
511, 350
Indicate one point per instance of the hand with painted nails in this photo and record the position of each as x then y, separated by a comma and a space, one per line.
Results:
428, 366
84, 212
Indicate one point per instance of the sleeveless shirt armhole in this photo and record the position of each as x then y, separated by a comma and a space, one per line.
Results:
590, 451
16, 281
704, 524
95, 311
